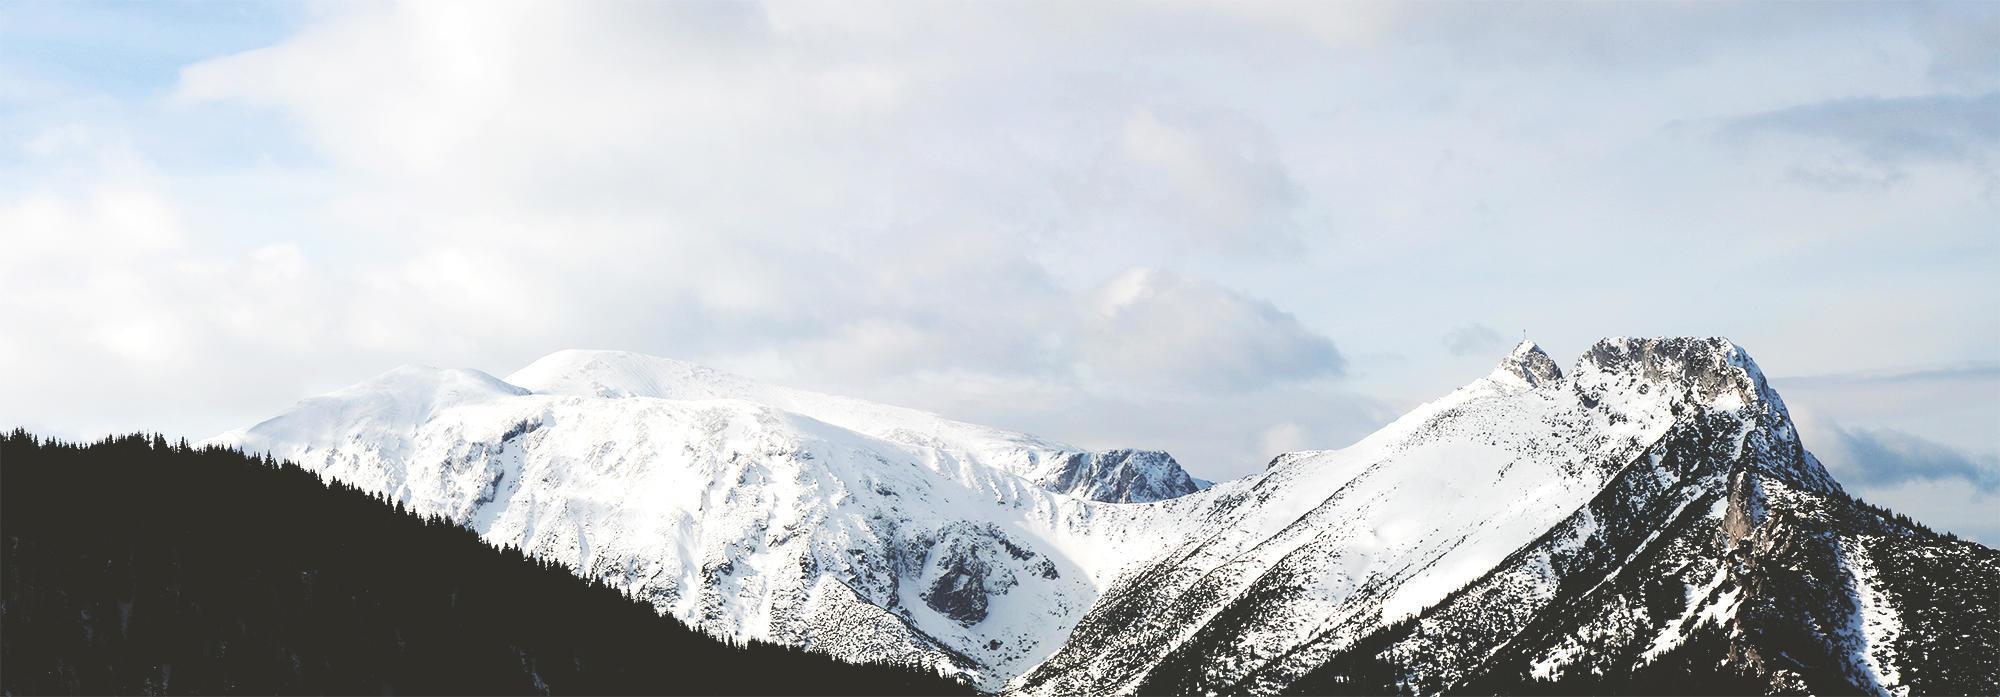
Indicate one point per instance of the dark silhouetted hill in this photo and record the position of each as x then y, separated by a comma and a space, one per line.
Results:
135, 565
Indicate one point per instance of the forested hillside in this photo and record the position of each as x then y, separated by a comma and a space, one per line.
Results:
135, 565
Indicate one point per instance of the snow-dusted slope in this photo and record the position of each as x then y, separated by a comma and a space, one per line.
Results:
1498, 531
1340, 542
1698, 572
1600, 530
862, 530
1128, 476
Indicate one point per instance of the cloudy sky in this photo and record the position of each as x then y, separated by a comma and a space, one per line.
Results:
1222, 230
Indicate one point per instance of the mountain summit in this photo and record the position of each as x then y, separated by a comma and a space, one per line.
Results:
1529, 365
1649, 521
1649, 512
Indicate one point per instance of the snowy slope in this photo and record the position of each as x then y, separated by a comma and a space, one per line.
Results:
1148, 476
1716, 583
1522, 500
1342, 541
1500, 536
729, 505
1721, 560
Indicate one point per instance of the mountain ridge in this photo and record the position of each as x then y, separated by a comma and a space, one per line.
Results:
861, 529
617, 374
1727, 465
915, 538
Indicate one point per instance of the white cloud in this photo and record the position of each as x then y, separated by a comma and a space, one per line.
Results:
1473, 340
1873, 140
1283, 437
1213, 183
716, 182
922, 203
1153, 329
133, 325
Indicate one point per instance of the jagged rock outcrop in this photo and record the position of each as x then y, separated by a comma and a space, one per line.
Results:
1120, 476
1529, 364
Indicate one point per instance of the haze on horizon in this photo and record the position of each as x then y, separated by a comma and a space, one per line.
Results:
1222, 230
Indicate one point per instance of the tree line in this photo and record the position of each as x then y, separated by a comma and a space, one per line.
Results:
139, 565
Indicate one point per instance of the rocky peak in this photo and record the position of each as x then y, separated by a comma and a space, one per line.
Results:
1121, 476
1705, 371
1707, 380
1528, 364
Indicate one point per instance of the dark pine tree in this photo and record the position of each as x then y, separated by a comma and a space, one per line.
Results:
135, 565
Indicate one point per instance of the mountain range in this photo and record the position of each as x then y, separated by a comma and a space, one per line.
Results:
1647, 520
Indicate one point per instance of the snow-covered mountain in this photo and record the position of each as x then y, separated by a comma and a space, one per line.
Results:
1651, 510
1654, 508
1122, 476
750, 510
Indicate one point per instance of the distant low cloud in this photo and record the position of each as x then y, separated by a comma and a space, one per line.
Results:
1875, 457
1473, 339
1283, 437
1208, 181
1946, 487
1874, 138
1961, 45
1160, 329
1971, 371
1918, 439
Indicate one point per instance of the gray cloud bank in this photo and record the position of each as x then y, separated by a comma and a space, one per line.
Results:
1945, 487
1920, 440
1881, 136
1873, 457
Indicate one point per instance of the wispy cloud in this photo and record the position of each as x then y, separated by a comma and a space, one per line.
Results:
1472, 339
1946, 487
1157, 328
1942, 484
1977, 370
1873, 457
1873, 139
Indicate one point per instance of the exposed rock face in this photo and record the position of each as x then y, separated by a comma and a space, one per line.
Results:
1528, 364
1703, 379
1121, 476
960, 595
967, 569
